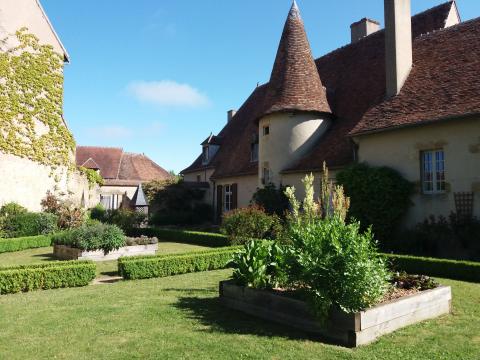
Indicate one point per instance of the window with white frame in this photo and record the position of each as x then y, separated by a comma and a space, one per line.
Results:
433, 171
228, 198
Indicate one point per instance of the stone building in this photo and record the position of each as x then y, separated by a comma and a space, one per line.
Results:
123, 174
406, 96
32, 139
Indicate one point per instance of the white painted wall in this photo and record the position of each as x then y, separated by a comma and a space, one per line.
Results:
291, 136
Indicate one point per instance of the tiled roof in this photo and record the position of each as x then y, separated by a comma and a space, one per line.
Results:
139, 199
114, 164
294, 83
354, 76
444, 83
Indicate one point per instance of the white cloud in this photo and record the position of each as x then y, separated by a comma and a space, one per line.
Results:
167, 93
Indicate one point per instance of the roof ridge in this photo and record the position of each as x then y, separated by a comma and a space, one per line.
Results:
455, 27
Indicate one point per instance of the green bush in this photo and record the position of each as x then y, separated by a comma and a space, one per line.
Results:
11, 209
271, 199
29, 224
241, 225
183, 236
450, 269
98, 213
46, 276
92, 237
125, 219
24, 243
145, 267
380, 197
260, 264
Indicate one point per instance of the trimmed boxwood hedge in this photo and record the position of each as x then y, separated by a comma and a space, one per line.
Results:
144, 267
450, 269
52, 275
24, 243
182, 236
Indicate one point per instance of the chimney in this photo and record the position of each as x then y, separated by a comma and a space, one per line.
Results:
230, 114
398, 44
363, 28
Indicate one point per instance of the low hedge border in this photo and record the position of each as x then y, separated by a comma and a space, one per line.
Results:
145, 267
52, 275
24, 243
183, 236
450, 269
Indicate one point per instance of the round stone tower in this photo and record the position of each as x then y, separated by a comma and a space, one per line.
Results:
296, 112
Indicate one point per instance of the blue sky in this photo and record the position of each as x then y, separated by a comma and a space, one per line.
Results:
157, 76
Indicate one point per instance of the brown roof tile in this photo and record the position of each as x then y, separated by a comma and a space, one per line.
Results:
355, 78
114, 164
294, 83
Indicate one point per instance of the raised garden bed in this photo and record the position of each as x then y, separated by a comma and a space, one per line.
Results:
346, 329
137, 246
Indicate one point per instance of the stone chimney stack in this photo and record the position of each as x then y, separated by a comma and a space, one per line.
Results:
398, 44
231, 114
363, 28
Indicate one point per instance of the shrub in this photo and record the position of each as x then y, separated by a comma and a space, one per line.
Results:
380, 197
145, 267
69, 216
240, 225
183, 236
11, 209
450, 269
29, 224
273, 200
98, 213
51, 204
260, 264
125, 219
23, 243
46, 276
454, 237
92, 237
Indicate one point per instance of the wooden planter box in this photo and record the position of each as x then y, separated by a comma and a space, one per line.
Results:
346, 329
68, 253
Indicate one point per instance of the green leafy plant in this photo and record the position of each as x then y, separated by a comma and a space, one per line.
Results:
23, 243
29, 224
10, 209
241, 225
92, 237
183, 236
93, 176
380, 197
98, 213
260, 264
272, 199
125, 219
69, 216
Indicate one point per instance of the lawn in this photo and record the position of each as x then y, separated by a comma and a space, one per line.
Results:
179, 317
39, 255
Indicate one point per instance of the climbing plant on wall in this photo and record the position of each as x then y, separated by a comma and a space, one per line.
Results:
31, 103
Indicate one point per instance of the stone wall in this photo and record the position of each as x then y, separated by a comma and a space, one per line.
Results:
26, 183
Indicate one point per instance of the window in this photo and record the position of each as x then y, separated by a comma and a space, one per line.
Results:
254, 152
228, 198
266, 130
205, 154
266, 176
199, 178
433, 171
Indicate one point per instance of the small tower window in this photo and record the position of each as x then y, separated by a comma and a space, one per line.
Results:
206, 154
266, 130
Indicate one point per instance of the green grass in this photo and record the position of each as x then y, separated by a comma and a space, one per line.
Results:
34, 256
179, 317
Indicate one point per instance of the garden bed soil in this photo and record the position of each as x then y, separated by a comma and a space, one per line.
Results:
64, 252
346, 329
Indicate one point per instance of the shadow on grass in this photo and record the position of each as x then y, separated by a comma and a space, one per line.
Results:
209, 312
46, 257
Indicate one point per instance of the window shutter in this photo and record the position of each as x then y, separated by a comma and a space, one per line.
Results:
234, 196
219, 201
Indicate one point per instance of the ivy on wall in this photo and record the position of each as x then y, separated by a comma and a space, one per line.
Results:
31, 103
93, 176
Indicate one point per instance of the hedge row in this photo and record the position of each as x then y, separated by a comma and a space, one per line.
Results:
144, 267
450, 269
51, 275
182, 236
23, 243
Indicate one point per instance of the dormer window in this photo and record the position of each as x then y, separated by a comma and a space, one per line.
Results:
206, 155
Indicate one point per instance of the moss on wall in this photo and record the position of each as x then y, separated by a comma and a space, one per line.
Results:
31, 103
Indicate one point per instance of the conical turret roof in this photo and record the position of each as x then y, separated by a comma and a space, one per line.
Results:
295, 83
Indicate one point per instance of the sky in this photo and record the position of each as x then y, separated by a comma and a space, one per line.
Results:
158, 76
